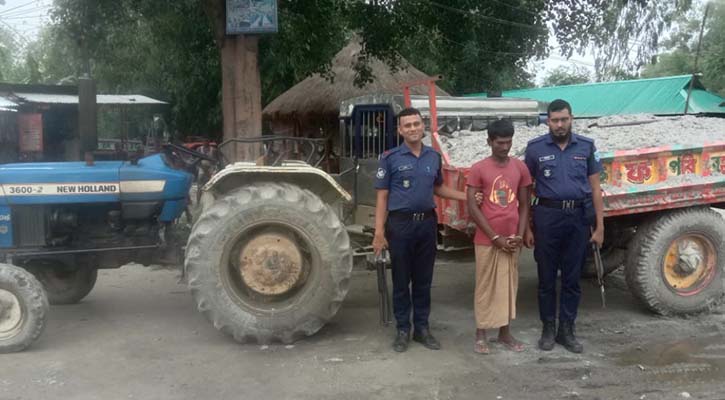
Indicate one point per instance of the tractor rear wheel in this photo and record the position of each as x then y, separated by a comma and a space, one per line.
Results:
675, 265
64, 284
268, 262
23, 308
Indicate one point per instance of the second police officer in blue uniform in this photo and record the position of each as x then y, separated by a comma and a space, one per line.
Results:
406, 224
567, 217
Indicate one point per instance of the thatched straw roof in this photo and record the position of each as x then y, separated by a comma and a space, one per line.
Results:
317, 95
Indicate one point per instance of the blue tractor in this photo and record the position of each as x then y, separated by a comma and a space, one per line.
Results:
267, 258
62, 221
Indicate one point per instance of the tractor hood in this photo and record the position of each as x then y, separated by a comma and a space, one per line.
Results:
151, 179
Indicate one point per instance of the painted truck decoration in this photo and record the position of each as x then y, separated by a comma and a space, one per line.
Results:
658, 222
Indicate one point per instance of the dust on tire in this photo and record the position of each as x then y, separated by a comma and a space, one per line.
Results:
254, 205
32, 304
644, 269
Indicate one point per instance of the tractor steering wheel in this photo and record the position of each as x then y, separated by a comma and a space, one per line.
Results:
189, 152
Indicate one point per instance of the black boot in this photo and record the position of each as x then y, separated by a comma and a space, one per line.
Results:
565, 337
400, 344
546, 342
424, 337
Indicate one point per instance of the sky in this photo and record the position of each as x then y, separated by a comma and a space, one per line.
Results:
25, 18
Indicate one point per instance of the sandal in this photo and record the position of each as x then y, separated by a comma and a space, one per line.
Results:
514, 345
481, 347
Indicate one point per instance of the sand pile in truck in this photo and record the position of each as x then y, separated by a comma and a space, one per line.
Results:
619, 132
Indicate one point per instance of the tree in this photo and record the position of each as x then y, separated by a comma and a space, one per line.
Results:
476, 45
10, 47
713, 53
679, 51
563, 75
175, 50
311, 31
624, 34
6, 53
162, 49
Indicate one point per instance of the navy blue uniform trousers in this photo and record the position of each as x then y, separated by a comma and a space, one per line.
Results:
561, 243
412, 245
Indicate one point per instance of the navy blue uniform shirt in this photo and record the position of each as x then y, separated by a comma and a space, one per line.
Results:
562, 174
409, 179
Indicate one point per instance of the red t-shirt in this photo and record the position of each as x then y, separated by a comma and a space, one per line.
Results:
499, 185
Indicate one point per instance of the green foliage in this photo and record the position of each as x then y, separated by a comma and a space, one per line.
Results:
476, 45
310, 33
9, 49
167, 49
678, 62
562, 75
624, 34
713, 56
164, 50
680, 50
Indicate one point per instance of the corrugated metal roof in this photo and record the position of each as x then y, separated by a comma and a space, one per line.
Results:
47, 98
448, 106
126, 99
108, 99
664, 95
7, 105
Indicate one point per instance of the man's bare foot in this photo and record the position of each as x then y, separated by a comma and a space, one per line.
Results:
481, 345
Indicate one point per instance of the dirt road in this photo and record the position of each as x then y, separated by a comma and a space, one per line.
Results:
138, 336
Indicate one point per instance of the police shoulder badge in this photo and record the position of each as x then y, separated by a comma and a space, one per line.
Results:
380, 174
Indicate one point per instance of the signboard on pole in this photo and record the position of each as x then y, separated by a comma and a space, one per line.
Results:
246, 17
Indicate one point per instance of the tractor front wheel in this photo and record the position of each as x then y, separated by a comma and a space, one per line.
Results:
23, 308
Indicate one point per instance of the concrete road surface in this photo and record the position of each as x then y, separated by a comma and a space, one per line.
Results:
138, 336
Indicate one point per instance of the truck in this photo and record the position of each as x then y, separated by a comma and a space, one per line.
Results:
273, 243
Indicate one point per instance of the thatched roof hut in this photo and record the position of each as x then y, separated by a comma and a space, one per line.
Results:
311, 106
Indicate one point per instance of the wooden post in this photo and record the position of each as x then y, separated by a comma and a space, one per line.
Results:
241, 95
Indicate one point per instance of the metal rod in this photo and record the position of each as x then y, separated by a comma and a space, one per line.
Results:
381, 135
361, 138
43, 253
371, 129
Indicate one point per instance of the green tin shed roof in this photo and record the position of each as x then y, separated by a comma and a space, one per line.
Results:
663, 96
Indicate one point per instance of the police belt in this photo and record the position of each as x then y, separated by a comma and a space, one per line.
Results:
405, 215
561, 204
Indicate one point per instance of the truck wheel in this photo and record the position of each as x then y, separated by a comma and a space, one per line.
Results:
23, 308
268, 262
675, 265
612, 258
64, 284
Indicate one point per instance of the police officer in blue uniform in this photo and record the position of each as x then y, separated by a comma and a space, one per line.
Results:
406, 224
567, 216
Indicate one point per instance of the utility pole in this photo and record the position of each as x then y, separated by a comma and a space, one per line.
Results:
237, 27
87, 106
697, 58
